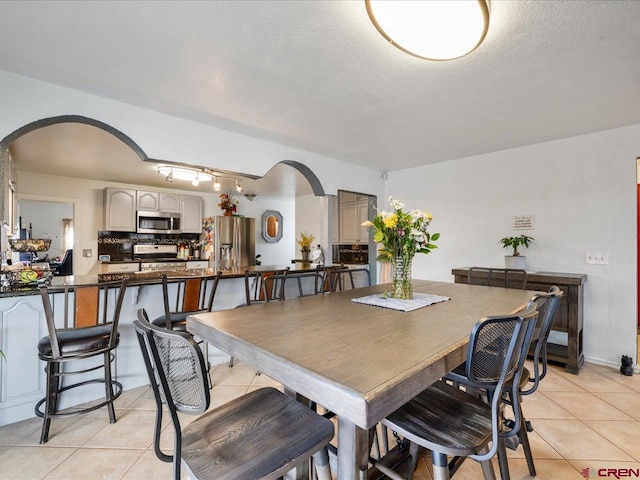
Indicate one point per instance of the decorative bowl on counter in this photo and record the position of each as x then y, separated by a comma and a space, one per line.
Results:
30, 245
27, 277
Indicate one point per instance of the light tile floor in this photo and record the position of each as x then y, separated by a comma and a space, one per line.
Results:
587, 421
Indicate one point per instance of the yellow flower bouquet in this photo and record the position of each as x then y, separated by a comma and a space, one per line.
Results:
402, 235
305, 241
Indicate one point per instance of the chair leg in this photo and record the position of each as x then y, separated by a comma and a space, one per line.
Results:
502, 459
50, 400
321, 462
205, 354
440, 466
487, 468
108, 387
385, 438
231, 361
526, 446
414, 452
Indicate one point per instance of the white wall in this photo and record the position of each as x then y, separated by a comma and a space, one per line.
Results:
310, 218
164, 137
46, 220
582, 191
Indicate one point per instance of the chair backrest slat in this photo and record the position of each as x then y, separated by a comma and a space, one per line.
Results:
87, 305
191, 297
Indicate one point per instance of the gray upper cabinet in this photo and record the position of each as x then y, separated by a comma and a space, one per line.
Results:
121, 204
148, 200
191, 213
158, 202
169, 202
119, 209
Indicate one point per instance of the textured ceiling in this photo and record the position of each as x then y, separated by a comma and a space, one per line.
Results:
317, 75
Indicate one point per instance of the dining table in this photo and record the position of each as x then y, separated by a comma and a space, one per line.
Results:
359, 361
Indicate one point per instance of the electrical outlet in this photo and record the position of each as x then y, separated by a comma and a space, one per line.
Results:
86, 252
594, 258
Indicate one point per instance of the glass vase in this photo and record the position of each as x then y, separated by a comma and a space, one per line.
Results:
402, 278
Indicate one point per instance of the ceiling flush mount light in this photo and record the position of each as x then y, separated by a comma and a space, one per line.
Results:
193, 175
431, 29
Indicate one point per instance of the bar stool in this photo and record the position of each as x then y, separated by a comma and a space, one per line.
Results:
190, 298
90, 329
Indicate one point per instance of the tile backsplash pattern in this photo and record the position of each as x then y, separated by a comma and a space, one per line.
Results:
119, 245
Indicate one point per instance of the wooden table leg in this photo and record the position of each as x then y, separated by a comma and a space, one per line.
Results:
353, 444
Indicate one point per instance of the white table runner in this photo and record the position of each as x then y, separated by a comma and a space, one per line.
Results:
419, 300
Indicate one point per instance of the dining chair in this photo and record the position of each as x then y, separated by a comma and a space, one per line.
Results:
260, 435
332, 277
258, 288
547, 304
190, 295
507, 277
308, 283
451, 422
89, 317
359, 272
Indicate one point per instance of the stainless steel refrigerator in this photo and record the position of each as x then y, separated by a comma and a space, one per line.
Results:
234, 242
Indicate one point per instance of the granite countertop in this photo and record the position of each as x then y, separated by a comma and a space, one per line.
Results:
149, 278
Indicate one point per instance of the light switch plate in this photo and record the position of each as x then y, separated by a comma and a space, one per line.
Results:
86, 252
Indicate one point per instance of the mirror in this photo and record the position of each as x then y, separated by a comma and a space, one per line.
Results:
272, 226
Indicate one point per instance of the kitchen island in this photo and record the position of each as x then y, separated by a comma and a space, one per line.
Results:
23, 324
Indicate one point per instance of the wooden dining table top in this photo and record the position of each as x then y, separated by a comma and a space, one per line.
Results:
360, 361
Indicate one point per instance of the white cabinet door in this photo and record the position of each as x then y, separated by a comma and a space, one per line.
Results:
147, 200
349, 228
191, 213
169, 202
119, 209
363, 216
351, 217
22, 325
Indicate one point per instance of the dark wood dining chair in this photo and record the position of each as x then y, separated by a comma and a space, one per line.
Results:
89, 317
547, 305
260, 435
452, 422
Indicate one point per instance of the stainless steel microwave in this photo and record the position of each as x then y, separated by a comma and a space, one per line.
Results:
158, 222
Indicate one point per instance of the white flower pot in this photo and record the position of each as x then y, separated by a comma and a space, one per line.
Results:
515, 262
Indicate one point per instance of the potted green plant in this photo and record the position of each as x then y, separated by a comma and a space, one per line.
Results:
516, 260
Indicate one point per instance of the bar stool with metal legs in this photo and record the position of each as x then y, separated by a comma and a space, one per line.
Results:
90, 320
192, 295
